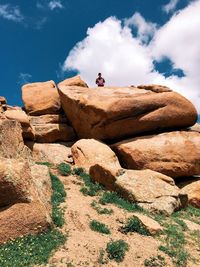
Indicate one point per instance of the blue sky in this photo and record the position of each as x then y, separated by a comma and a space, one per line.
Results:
38, 42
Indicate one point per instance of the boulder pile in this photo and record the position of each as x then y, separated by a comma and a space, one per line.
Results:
133, 140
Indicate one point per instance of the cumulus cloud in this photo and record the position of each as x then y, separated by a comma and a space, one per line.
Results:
55, 4
10, 12
125, 59
171, 6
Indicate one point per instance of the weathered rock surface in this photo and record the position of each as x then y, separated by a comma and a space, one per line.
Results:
151, 225
193, 191
74, 81
41, 98
3, 103
52, 132
25, 196
16, 113
173, 153
146, 187
23, 219
52, 128
52, 153
88, 152
110, 113
11, 141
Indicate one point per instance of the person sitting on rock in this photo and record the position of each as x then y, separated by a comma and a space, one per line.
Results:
100, 80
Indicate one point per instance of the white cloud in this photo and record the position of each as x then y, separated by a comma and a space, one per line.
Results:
144, 29
171, 6
10, 12
55, 4
24, 78
111, 48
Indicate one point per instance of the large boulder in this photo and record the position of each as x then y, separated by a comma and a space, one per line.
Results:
41, 98
88, 152
52, 153
173, 153
110, 113
74, 81
25, 195
52, 128
192, 189
16, 113
11, 141
148, 188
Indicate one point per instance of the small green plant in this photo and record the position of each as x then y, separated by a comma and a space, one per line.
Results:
190, 213
114, 198
30, 250
158, 261
57, 198
134, 225
64, 169
101, 210
99, 227
174, 245
116, 250
78, 171
90, 188
48, 164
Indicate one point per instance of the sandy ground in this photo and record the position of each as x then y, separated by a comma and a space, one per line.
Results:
83, 245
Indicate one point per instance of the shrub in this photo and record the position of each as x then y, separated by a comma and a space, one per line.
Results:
99, 227
158, 261
101, 210
134, 225
64, 169
89, 188
116, 250
78, 171
48, 164
114, 198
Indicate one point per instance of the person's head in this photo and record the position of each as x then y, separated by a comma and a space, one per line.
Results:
99, 74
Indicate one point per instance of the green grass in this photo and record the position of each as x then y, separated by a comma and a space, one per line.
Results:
99, 209
78, 171
89, 188
99, 227
157, 261
30, 250
116, 250
134, 225
64, 169
190, 213
114, 198
48, 164
57, 198
174, 244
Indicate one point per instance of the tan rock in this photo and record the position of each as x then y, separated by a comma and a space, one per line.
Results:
52, 153
25, 196
151, 225
155, 88
3, 100
173, 153
88, 152
196, 127
22, 219
48, 118
74, 81
52, 132
193, 192
16, 113
191, 225
110, 113
41, 98
144, 187
11, 141
15, 182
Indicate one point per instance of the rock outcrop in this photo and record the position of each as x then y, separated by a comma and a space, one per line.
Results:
111, 113
52, 153
88, 152
41, 98
74, 81
192, 189
145, 187
174, 153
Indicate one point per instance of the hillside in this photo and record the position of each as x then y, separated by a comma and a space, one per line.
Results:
99, 177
